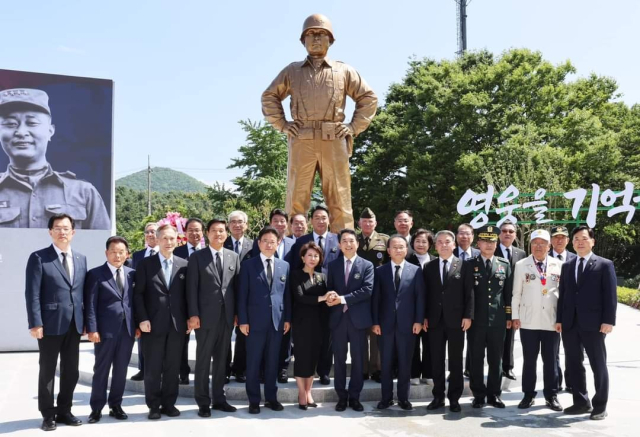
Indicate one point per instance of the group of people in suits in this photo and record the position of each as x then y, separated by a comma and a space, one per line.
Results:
384, 299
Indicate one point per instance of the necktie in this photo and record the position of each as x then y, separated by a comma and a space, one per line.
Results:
236, 248
580, 270
152, 252
219, 265
320, 242
193, 249
487, 265
509, 255
347, 270
444, 272
396, 278
269, 273
167, 272
119, 281
540, 265
560, 257
367, 240
463, 255
65, 264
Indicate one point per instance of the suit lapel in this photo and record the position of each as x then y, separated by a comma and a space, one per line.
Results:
588, 268
455, 266
404, 278
110, 279
58, 264
158, 266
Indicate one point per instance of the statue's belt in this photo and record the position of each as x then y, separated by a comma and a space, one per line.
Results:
324, 130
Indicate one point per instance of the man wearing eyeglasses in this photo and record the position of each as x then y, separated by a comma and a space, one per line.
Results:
506, 250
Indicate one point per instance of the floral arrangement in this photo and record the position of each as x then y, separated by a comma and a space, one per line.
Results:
177, 221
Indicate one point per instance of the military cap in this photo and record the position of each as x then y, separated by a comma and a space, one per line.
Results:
317, 21
25, 96
540, 233
489, 233
559, 230
367, 214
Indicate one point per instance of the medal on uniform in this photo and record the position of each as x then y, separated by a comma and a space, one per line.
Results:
544, 291
543, 277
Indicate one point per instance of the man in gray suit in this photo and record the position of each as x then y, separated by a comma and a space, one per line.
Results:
211, 285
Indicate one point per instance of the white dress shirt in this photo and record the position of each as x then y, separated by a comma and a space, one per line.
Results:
149, 249
353, 260
584, 263
213, 253
115, 278
449, 260
69, 260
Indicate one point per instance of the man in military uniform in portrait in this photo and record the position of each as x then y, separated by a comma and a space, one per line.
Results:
492, 288
319, 139
30, 190
372, 246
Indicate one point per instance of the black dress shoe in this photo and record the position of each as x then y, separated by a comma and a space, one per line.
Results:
454, 407
477, 402
118, 413
341, 405
227, 380
382, 405
204, 411
283, 378
154, 414
254, 409
138, 376
553, 404
241, 378
598, 414
312, 405
405, 405
95, 416
48, 424
365, 376
466, 374
274, 405
324, 380
495, 401
356, 405
578, 409
170, 411
435, 404
304, 407
377, 377
509, 374
184, 380
225, 407
569, 389
526, 402
68, 419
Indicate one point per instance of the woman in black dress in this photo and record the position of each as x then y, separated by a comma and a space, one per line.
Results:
309, 290
421, 242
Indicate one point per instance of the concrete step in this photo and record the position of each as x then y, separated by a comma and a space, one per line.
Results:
287, 393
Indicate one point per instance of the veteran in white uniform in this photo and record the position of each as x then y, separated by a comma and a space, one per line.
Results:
534, 306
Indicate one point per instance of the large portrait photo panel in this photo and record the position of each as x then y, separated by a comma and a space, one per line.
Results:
56, 136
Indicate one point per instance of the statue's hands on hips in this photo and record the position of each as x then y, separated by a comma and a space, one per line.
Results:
343, 130
292, 127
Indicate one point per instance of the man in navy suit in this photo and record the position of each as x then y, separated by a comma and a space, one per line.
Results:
506, 250
398, 314
330, 246
161, 313
403, 222
194, 228
449, 312
351, 277
152, 248
264, 315
211, 294
559, 241
53, 293
242, 246
108, 314
586, 314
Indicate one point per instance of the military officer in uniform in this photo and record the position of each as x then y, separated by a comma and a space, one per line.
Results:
319, 139
492, 285
30, 190
372, 246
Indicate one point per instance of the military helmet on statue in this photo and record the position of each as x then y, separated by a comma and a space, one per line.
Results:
317, 21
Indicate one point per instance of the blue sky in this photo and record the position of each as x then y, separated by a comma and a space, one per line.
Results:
186, 72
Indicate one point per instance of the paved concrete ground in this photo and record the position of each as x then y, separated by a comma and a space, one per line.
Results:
19, 412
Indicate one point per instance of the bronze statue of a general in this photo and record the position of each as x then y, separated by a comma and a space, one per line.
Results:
319, 139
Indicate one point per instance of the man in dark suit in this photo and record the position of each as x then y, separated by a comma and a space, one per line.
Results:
299, 226
329, 243
508, 251
403, 222
398, 314
108, 314
54, 295
450, 304
161, 313
559, 241
351, 277
586, 314
195, 231
264, 315
242, 246
152, 248
211, 294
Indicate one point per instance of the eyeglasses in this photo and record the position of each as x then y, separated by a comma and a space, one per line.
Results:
236, 222
508, 231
